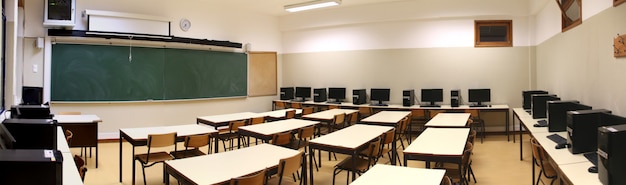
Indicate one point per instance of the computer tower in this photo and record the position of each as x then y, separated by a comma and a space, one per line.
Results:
455, 97
557, 113
319, 95
612, 154
359, 96
38, 166
582, 130
31, 112
539, 104
33, 133
527, 96
408, 98
286, 93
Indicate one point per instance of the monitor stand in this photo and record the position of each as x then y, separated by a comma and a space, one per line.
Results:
432, 104
297, 99
380, 103
479, 104
337, 101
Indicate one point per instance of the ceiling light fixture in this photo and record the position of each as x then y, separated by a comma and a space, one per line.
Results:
311, 5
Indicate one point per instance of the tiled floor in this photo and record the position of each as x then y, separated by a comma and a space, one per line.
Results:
495, 161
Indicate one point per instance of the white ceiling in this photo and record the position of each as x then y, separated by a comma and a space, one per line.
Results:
275, 7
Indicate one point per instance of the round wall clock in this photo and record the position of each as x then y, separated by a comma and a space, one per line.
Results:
185, 24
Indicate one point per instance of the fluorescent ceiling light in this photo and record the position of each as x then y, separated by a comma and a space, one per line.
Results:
311, 5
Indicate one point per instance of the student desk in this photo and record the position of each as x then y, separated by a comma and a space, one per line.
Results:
267, 130
387, 174
279, 114
84, 128
223, 119
328, 115
526, 121
439, 145
350, 140
221, 167
449, 120
139, 137
387, 118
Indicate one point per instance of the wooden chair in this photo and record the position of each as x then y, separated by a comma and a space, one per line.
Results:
231, 133
333, 107
446, 181
433, 112
307, 110
256, 178
279, 105
68, 136
80, 165
361, 163
365, 112
387, 145
476, 123
337, 123
192, 146
352, 118
282, 139
296, 105
151, 157
302, 141
401, 129
290, 165
454, 170
419, 119
542, 161
254, 121
290, 114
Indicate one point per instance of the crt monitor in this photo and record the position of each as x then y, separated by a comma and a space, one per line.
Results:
380, 95
303, 93
336, 93
432, 96
527, 96
6, 139
32, 95
479, 96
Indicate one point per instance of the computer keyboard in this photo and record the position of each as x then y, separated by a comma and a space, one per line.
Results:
541, 123
592, 157
557, 139
333, 102
379, 105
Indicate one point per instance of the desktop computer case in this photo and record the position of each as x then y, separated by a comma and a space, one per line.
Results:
612, 154
286, 93
582, 126
31, 166
539, 105
558, 123
455, 98
319, 95
359, 96
408, 98
33, 133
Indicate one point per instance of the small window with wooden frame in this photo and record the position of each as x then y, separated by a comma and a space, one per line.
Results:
493, 33
571, 13
618, 2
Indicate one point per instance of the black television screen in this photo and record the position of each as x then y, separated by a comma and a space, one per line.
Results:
432, 96
337, 93
527, 97
479, 95
303, 93
6, 139
380, 95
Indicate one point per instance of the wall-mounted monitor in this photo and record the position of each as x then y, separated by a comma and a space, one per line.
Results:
380, 95
303, 93
337, 94
432, 96
479, 96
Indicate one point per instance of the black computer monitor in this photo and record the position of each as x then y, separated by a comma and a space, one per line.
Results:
32, 95
432, 96
337, 94
286, 93
526, 95
380, 95
6, 139
479, 96
303, 93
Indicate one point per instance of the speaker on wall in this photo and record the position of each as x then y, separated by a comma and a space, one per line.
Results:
359, 96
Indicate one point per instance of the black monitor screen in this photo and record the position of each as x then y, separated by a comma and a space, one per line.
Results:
479, 95
336, 93
432, 95
379, 94
303, 92
526, 95
32, 95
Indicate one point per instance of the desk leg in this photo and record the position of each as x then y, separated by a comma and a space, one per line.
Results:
405, 161
217, 143
533, 168
133, 160
303, 178
311, 156
507, 125
427, 164
394, 151
120, 156
520, 141
96, 155
354, 156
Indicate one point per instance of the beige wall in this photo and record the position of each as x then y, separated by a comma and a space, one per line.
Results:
579, 64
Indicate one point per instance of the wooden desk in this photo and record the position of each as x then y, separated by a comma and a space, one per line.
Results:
350, 141
221, 167
267, 130
139, 137
223, 119
387, 174
70, 172
439, 145
449, 120
85, 130
279, 114
388, 118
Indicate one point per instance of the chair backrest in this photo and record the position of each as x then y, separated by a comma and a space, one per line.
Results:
307, 110
290, 165
418, 113
402, 125
474, 113
306, 132
446, 181
432, 113
161, 140
466, 153
339, 119
365, 111
472, 136
353, 118
68, 136
290, 114
257, 120
197, 141
388, 136
373, 151
333, 107
233, 126
296, 105
279, 105
70, 113
538, 151
256, 178
80, 166
281, 139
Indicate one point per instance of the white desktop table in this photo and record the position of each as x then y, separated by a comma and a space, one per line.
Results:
398, 175
449, 120
350, 141
527, 122
223, 119
139, 136
85, 130
62, 144
221, 167
576, 173
328, 115
279, 114
70, 172
267, 130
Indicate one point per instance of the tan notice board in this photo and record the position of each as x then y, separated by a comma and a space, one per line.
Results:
263, 73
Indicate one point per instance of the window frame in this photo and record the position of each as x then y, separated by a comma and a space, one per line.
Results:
509, 37
564, 15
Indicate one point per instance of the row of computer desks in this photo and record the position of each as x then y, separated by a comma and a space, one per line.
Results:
583, 145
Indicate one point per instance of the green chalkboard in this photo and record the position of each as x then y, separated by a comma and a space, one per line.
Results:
105, 73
